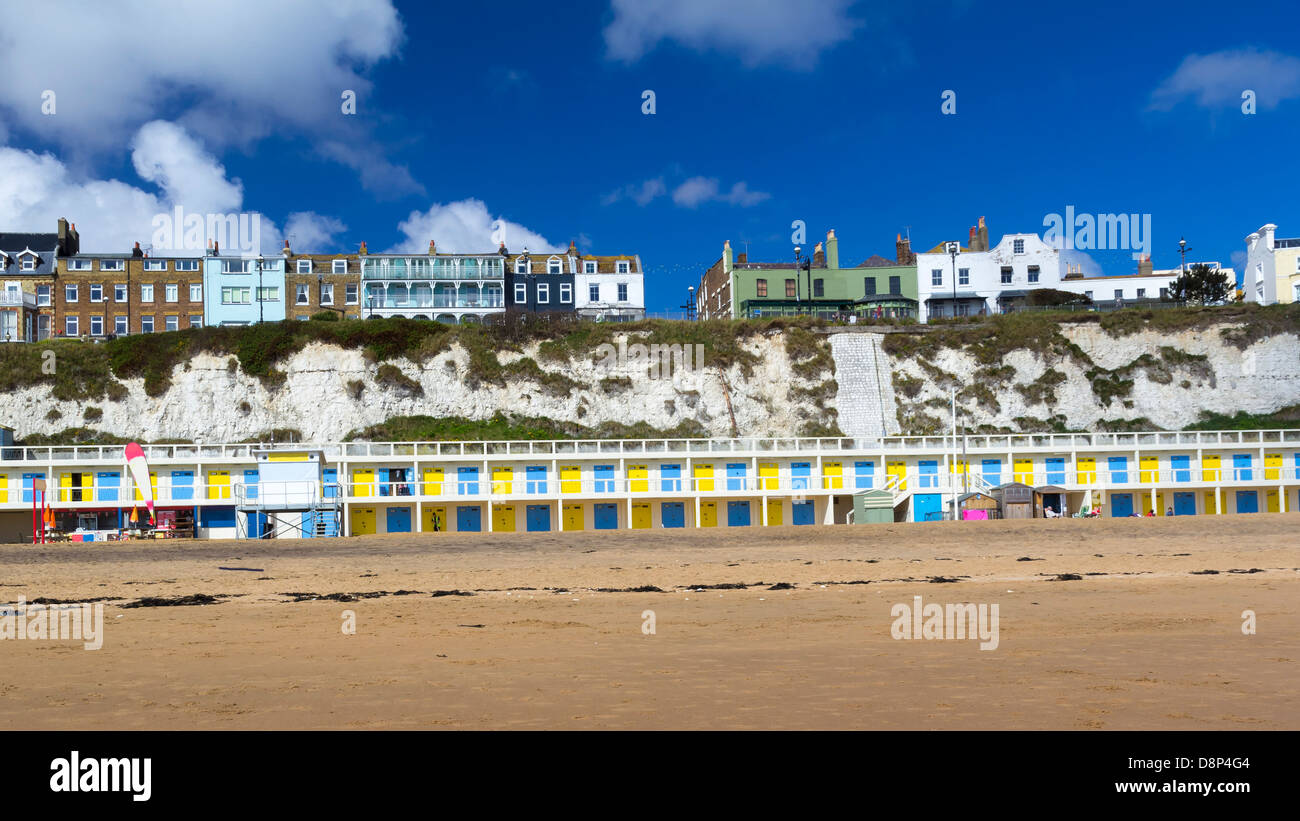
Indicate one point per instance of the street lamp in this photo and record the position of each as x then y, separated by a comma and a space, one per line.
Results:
320, 282
954, 248
1182, 250
528, 280
260, 310
690, 303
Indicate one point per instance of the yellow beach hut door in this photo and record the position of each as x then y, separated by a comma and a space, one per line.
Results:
1149, 470
1210, 468
767, 475
703, 474
832, 475
898, 469
218, 484
708, 514
1024, 472
363, 521
435, 519
573, 518
503, 517
640, 478
433, 483
1272, 466
1087, 470
363, 483
641, 516
775, 510
571, 481
503, 482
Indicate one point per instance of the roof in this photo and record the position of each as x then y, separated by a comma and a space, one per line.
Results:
877, 261
14, 243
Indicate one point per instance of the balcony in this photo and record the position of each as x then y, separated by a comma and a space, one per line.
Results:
17, 299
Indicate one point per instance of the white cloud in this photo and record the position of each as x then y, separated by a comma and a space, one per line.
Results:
310, 232
236, 73
790, 32
466, 227
1076, 259
37, 189
1218, 79
698, 190
641, 194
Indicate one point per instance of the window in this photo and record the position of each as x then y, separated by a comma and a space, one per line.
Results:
589, 267
70, 326
593, 292
300, 294
622, 292
350, 293
146, 324
521, 293
552, 266
895, 285
1164, 293
1142, 292
238, 266
1088, 294
760, 287
326, 294
268, 294
42, 294
146, 292
172, 322
566, 293
69, 293
187, 265
1018, 246
172, 292
963, 276
97, 326
1119, 295
623, 266
819, 287
196, 292
790, 292
155, 265
520, 267
96, 293
543, 292
112, 265
119, 325
868, 286
119, 292
1006, 274
78, 265
304, 266
936, 277
232, 295
1033, 273
29, 263
196, 321
340, 266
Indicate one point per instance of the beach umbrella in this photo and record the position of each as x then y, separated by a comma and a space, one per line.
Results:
135, 517
1086, 507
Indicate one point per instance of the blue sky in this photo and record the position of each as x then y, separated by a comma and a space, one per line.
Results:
826, 111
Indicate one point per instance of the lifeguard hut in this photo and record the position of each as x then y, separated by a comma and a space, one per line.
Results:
290, 498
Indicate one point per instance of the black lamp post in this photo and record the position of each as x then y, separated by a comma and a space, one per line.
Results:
954, 248
261, 314
1182, 250
690, 303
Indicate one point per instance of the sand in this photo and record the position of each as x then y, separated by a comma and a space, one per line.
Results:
1142, 640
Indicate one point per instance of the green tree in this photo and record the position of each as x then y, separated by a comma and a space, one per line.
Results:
1202, 285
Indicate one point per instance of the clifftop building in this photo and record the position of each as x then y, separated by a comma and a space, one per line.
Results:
1272, 267
735, 288
28, 264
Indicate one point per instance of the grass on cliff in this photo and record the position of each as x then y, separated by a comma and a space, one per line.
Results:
502, 427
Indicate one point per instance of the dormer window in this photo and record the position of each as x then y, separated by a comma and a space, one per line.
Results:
78, 265
340, 266
149, 265
27, 261
553, 265
623, 266
1018, 246
521, 267
589, 267
304, 266
112, 265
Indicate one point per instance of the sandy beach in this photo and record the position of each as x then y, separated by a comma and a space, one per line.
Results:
551, 638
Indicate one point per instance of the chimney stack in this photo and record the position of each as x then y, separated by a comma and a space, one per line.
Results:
1144, 266
433, 248
502, 250
742, 258
972, 242
287, 252
832, 250
819, 256
136, 253
573, 248
216, 248
726, 256
983, 235
903, 251
363, 250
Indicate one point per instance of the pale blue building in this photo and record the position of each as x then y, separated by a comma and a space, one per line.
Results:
243, 290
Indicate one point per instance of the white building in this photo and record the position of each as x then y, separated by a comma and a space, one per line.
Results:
1147, 284
1272, 268
609, 288
987, 279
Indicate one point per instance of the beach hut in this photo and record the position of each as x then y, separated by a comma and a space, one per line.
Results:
1015, 500
977, 506
873, 506
1052, 496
